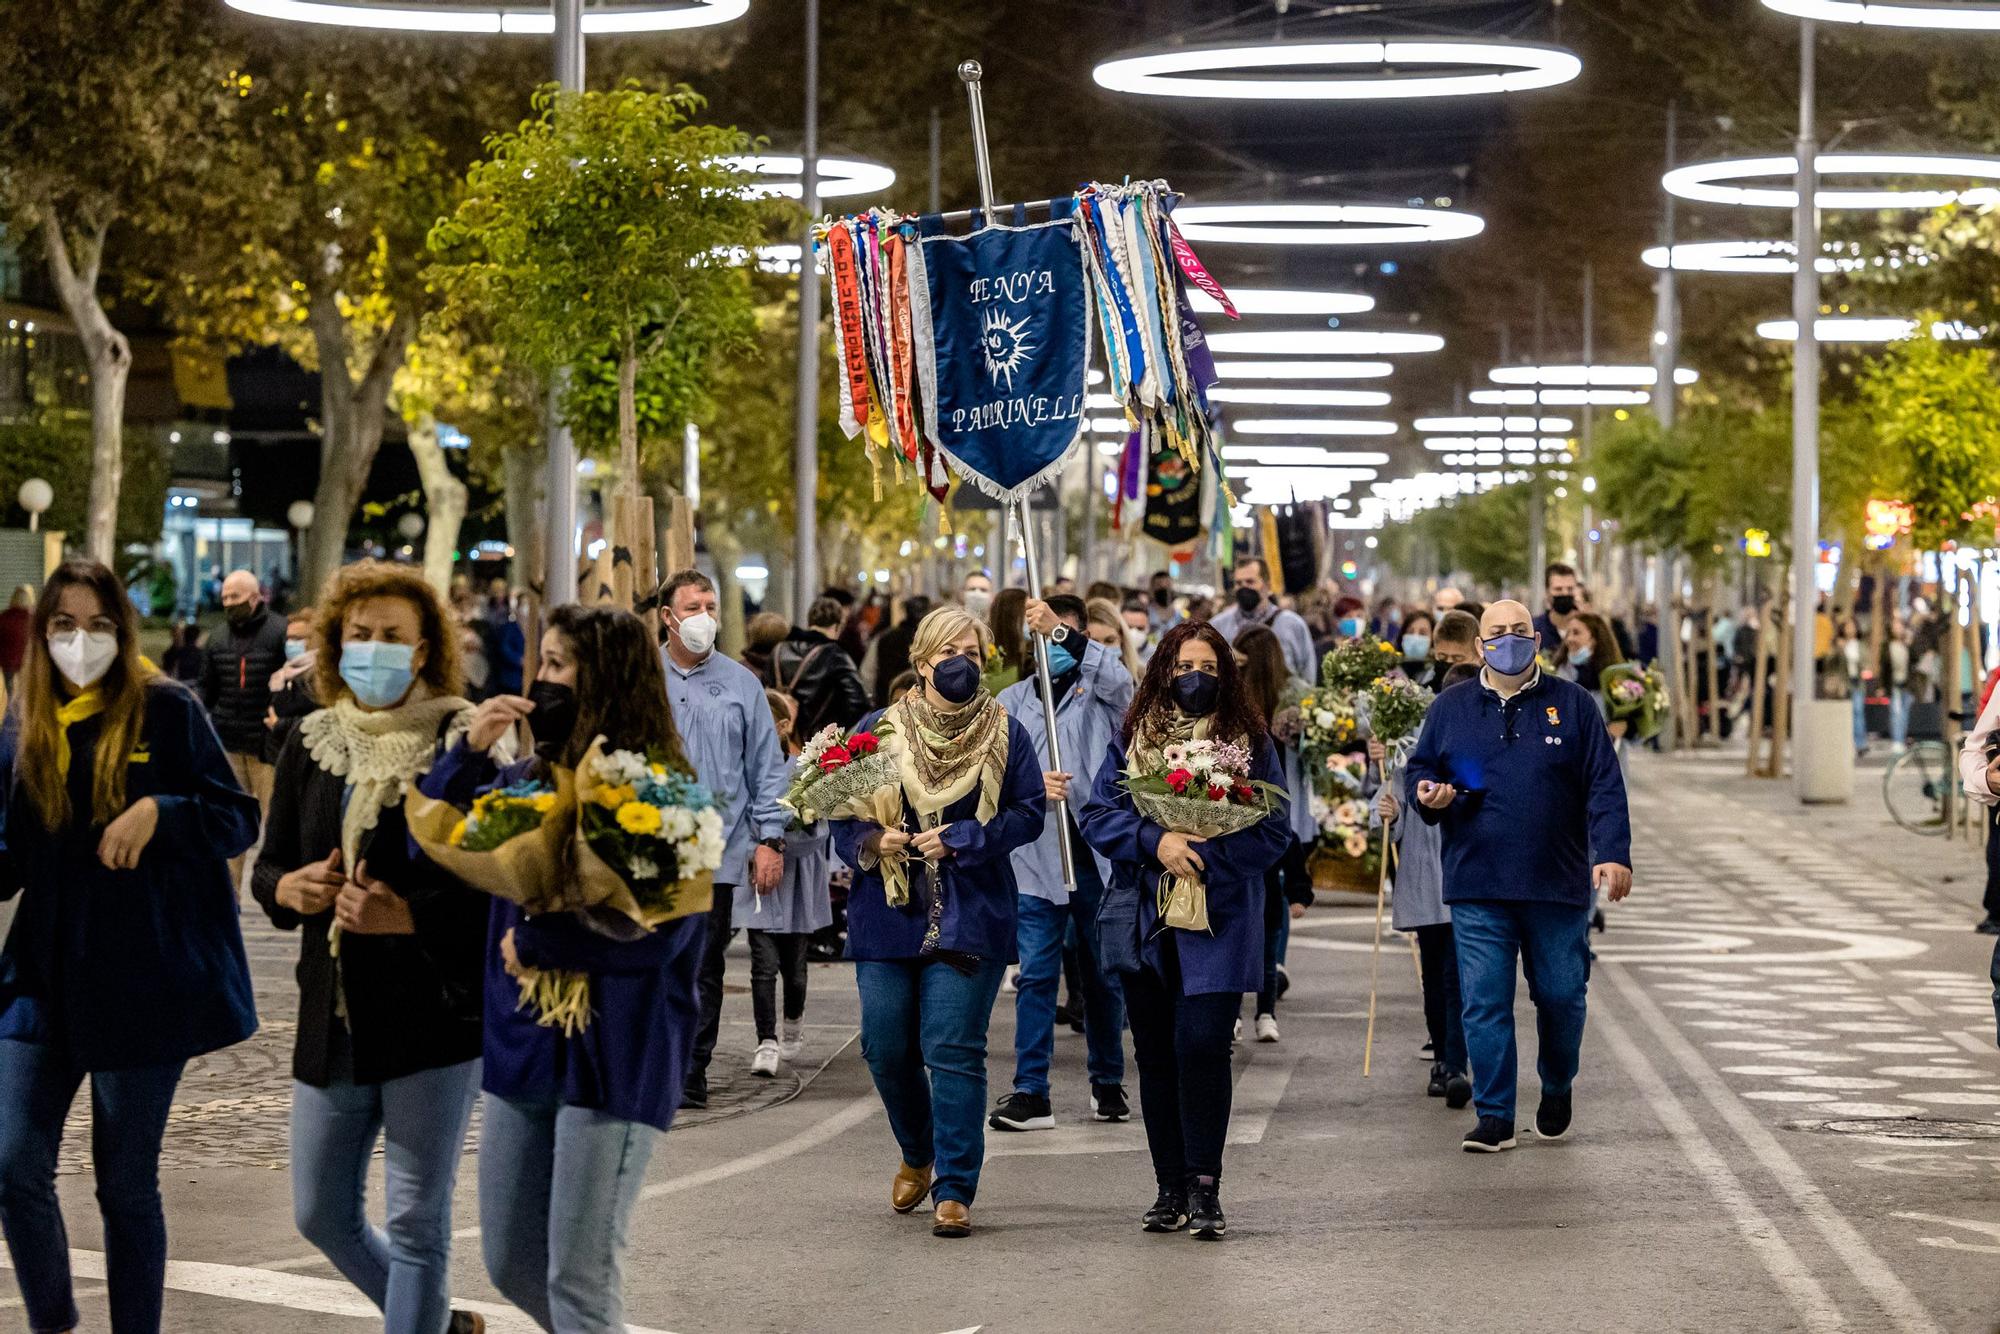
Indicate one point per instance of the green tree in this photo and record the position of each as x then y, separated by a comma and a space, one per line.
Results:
57, 448
1936, 409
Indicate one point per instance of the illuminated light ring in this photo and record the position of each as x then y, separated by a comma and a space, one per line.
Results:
1330, 224
1598, 377
1758, 257
1707, 182
1958, 16
1867, 329
1513, 67
1324, 343
1559, 398
527, 21
839, 177
1302, 398
1283, 301
1511, 425
1311, 426
1336, 464
1302, 370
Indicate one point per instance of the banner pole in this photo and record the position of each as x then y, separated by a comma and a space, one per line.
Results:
970, 74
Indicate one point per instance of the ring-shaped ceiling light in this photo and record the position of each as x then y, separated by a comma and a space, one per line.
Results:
839, 177
1712, 182
1955, 15
1302, 398
1324, 343
1433, 68
1594, 376
1337, 463
1311, 426
1283, 301
1768, 257
1867, 329
1323, 224
1559, 398
1511, 425
527, 20
1303, 370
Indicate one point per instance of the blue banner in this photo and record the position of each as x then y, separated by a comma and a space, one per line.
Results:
1002, 326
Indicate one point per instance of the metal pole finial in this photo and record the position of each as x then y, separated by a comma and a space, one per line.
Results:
969, 71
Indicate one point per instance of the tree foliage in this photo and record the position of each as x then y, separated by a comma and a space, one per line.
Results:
56, 448
1936, 410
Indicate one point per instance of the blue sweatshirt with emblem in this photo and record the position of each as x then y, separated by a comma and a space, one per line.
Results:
1540, 795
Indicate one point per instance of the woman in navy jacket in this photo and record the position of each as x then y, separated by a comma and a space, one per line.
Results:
929, 964
118, 816
1183, 989
572, 1120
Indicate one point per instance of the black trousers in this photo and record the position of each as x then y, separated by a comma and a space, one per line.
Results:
1993, 863
1437, 956
1181, 1044
773, 956
708, 985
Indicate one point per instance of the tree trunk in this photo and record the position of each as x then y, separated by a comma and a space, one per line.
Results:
351, 420
1781, 701
1764, 616
445, 498
522, 464
1953, 690
628, 418
727, 553
110, 356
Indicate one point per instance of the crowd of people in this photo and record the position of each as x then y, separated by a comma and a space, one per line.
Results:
297, 737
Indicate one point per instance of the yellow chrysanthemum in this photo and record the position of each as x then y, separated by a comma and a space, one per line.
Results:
457, 835
611, 798
545, 802
636, 817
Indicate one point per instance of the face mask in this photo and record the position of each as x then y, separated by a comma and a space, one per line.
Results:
1163, 597
294, 647
697, 633
83, 656
554, 717
1562, 604
1061, 661
1416, 647
378, 674
957, 679
1579, 657
1248, 600
1510, 655
1196, 693
1350, 627
977, 601
239, 613
1135, 637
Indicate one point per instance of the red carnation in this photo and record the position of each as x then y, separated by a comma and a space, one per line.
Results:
835, 757
1179, 780
1216, 793
1245, 793
862, 743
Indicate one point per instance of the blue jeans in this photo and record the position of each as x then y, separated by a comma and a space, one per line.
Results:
1039, 937
403, 1269
1899, 715
1860, 698
923, 1034
1551, 942
556, 1189
128, 1118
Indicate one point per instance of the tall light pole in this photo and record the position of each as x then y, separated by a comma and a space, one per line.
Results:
1589, 549
1666, 402
805, 446
1805, 421
559, 579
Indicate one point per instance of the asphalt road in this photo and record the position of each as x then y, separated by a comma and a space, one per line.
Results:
1788, 1119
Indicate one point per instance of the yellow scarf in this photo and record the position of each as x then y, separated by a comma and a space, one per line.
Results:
87, 704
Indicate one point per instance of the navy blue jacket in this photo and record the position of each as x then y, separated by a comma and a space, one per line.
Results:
978, 878
117, 969
632, 1060
1540, 795
1231, 956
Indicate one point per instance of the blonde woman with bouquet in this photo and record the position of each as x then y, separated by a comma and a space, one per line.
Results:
1184, 987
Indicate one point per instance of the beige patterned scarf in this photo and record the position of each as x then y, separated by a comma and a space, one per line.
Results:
943, 753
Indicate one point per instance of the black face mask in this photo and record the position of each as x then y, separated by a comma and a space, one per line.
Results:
241, 612
1196, 693
1562, 604
1248, 600
956, 679
1163, 597
554, 719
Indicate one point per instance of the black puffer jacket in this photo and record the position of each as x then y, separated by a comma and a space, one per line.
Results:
817, 672
236, 679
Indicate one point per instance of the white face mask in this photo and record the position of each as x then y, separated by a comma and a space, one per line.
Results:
84, 656
697, 633
977, 601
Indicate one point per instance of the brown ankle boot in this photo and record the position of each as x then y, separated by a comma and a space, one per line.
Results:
952, 1220
908, 1188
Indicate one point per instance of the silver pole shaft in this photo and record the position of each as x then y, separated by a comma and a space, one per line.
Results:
1666, 402
1805, 409
1589, 548
559, 579
805, 444
970, 73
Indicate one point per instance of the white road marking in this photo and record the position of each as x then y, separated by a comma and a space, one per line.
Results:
1973, 1043
1991, 1231
1257, 1095
1258, 1091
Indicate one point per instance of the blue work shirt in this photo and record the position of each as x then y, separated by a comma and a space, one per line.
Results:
1088, 715
726, 729
1540, 794
1294, 636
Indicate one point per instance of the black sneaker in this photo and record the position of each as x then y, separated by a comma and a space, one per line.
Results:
1107, 1102
1023, 1111
1989, 927
1284, 981
694, 1094
1069, 1018
1597, 920
1427, 1052
1168, 1214
1457, 1092
1491, 1135
1552, 1117
1205, 1220
1438, 1078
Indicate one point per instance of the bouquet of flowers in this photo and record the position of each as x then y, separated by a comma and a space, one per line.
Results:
513, 843
853, 776
1393, 709
1343, 830
1345, 776
1636, 697
1201, 788
502, 815
1328, 726
1358, 664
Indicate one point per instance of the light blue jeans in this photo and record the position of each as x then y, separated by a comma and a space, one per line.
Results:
557, 1186
404, 1268
1039, 937
1550, 942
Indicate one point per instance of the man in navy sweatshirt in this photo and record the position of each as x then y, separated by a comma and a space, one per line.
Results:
1518, 770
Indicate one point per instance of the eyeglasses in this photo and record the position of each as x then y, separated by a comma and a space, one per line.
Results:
97, 625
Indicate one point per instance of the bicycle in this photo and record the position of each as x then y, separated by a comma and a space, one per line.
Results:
1920, 788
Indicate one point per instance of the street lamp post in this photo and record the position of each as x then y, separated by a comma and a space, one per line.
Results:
1805, 428
805, 445
559, 579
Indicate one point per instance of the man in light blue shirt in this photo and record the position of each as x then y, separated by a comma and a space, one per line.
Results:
1256, 606
725, 725
1093, 691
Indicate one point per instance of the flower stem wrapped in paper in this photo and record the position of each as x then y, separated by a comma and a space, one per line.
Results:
1392, 710
853, 776
1200, 788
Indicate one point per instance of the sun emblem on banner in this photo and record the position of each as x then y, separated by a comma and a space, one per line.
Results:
1005, 343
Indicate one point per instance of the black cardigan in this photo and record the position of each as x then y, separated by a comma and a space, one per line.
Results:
413, 1002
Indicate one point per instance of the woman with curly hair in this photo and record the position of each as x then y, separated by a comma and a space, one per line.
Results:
390, 947
1288, 888
1183, 988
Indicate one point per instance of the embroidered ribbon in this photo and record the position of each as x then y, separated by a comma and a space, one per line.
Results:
1191, 265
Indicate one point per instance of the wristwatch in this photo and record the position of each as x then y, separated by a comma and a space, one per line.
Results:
1061, 634
774, 844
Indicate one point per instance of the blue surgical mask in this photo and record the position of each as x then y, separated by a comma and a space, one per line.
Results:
1061, 661
379, 674
1579, 657
1510, 655
294, 647
1416, 647
1350, 627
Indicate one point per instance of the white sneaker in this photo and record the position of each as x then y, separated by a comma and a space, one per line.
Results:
1237, 1036
791, 1038
1267, 1027
765, 1062
1010, 981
